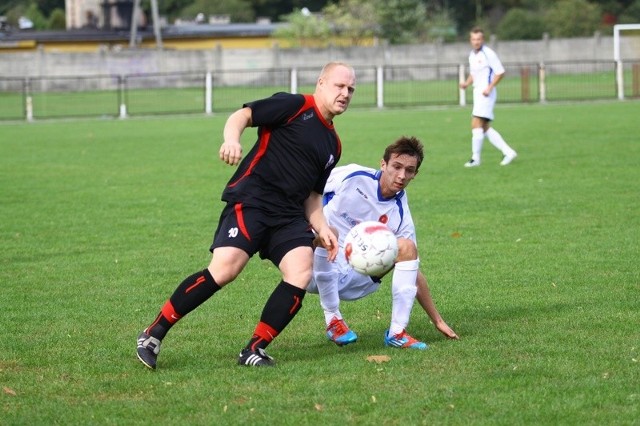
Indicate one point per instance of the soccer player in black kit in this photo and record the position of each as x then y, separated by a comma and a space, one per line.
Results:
274, 201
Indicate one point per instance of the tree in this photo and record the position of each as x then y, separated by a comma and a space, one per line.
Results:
57, 20
631, 14
573, 18
34, 14
238, 10
401, 20
304, 29
521, 24
353, 19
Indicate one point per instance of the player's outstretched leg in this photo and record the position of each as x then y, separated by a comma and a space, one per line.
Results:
191, 293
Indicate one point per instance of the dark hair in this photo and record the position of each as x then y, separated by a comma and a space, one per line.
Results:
406, 145
476, 30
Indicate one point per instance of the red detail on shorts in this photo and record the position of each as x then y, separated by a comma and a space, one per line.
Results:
169, 313
296, 305
240, 219
265, 332
265, 137
199, 281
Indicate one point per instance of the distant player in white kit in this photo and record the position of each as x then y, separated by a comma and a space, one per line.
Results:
355, 194
485, 72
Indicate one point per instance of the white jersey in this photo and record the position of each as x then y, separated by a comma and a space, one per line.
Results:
352, 195
484, 65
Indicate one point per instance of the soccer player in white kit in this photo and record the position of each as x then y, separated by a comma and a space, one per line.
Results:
485, 72
355, 194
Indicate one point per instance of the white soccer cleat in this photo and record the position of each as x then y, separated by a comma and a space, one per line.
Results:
508, 158
472, 163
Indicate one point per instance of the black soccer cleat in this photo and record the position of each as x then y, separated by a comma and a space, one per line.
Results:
148, 349
258, 358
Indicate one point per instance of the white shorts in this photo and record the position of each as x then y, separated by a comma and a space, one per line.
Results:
352, 285
483, 105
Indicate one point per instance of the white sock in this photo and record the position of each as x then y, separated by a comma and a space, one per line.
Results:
496, 139
477, 138
403, 289
326, 278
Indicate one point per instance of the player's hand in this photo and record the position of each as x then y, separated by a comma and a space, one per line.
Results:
463, 85
329, 242
486, 91
231, 152
446, 330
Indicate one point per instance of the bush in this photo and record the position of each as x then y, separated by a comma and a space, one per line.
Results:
631, 15
57, 20
521, 24
573, 18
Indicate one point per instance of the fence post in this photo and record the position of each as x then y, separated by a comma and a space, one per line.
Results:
636, 80
620, 79
462, 93
208, 89
542, 85
28, 100
123, 95
380, 87
524, 83
294, 80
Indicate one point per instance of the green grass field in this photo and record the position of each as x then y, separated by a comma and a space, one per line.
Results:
535, 265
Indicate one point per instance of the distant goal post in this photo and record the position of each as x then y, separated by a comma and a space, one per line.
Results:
617, 55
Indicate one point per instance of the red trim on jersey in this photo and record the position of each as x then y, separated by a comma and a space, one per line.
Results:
310, 100
265, 137
169, 313
240, 219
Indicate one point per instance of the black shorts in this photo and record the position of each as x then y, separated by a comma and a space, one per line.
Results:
253, 230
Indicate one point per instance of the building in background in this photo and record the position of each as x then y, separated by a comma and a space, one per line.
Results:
103, 14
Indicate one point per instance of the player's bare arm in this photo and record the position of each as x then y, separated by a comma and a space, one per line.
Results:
231, 149
493, 84
467, 82
424, 298
313, 212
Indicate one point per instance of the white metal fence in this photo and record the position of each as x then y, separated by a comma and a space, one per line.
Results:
378, 87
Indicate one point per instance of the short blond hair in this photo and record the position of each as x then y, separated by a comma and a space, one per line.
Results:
331, 65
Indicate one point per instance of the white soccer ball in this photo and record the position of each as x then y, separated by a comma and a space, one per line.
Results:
371, 248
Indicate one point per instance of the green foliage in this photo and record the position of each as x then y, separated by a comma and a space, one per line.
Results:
440, 25
401, 20
34, 13
57, 20
304, 29
573, 18
169, 8
631, 15
353, 19
521, 24
238, 10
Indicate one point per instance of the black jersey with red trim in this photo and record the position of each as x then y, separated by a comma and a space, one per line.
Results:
294, 155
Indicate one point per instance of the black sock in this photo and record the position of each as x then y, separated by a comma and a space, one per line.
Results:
191, 293
283, 304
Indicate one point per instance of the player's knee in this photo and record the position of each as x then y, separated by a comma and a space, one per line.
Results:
323, 276
407, 250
